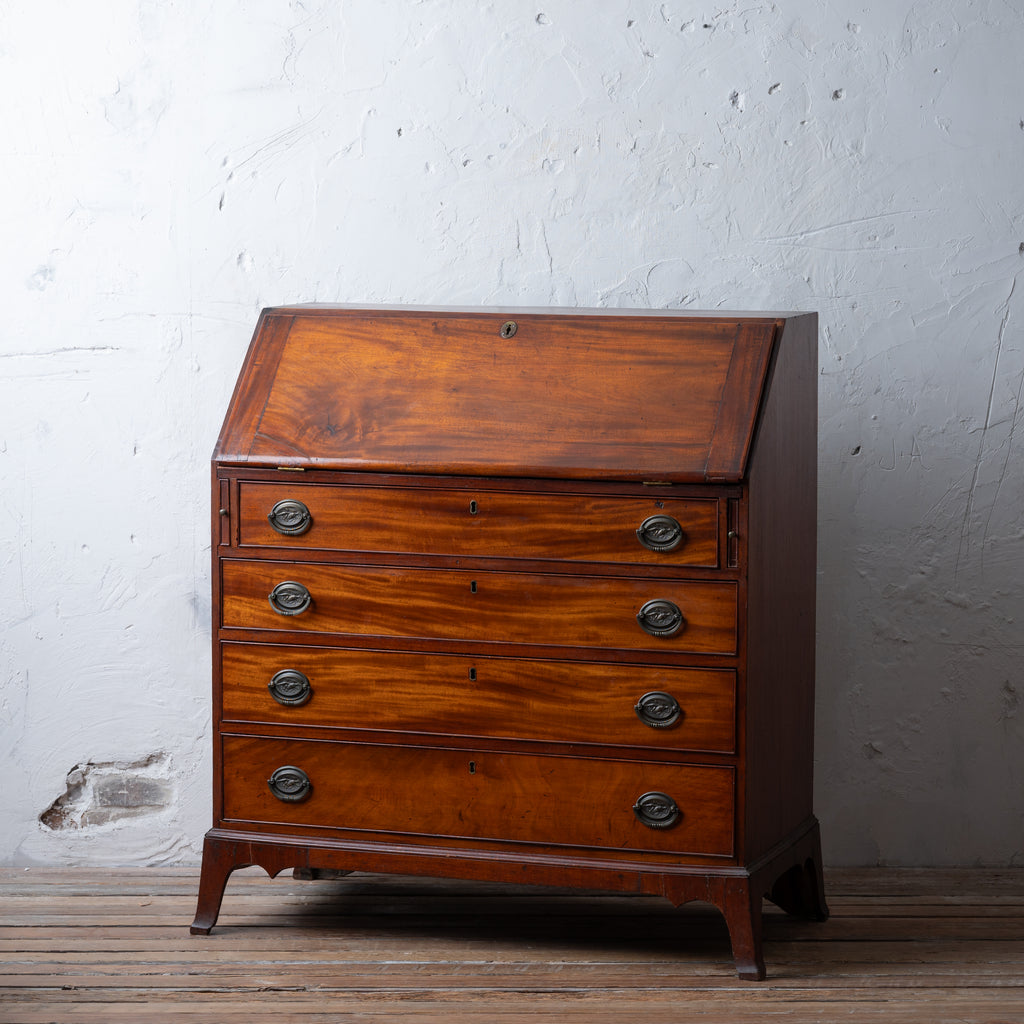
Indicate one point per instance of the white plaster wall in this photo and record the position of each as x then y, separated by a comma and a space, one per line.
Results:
171, 167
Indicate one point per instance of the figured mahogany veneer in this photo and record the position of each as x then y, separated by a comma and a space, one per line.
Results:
487, 607
481, 522
584, 396
410, 792
500, 698
521, 595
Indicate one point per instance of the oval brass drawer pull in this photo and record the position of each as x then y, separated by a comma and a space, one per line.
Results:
660, 533
657, 810
658, 709
290, 517
660, 618
290, 784
290, 598
290, 687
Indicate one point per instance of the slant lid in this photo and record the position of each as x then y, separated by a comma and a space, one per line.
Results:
596, 394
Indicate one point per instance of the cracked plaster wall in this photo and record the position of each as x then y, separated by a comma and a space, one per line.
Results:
170, 168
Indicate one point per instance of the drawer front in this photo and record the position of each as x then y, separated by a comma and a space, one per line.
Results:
565, 801
559, 701
497, 524
520, 608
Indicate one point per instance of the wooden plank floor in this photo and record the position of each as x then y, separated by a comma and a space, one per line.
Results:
935, 947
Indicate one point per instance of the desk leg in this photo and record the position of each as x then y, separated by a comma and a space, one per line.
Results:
739, 900
219, 860
800, 891
741, 906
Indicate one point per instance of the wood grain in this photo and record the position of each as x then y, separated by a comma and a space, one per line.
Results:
781, 547
412, 693
99, 947
480, 523
506, 608
570, 396
475, 480
480, 794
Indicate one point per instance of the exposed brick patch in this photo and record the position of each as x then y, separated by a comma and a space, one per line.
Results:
101, 792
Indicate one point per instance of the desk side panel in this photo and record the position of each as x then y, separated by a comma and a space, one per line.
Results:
782, 555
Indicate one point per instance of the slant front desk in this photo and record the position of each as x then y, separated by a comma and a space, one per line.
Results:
521, 595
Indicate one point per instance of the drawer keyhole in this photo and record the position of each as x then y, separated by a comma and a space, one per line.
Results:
472, 767
472, 587
474, 508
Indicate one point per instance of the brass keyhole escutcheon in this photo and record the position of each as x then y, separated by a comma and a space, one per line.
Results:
508, 329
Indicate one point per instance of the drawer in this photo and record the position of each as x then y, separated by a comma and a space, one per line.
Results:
481, 523
559, 701
565, 801
489, 607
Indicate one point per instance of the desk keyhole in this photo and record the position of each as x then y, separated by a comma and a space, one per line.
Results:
472, 767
